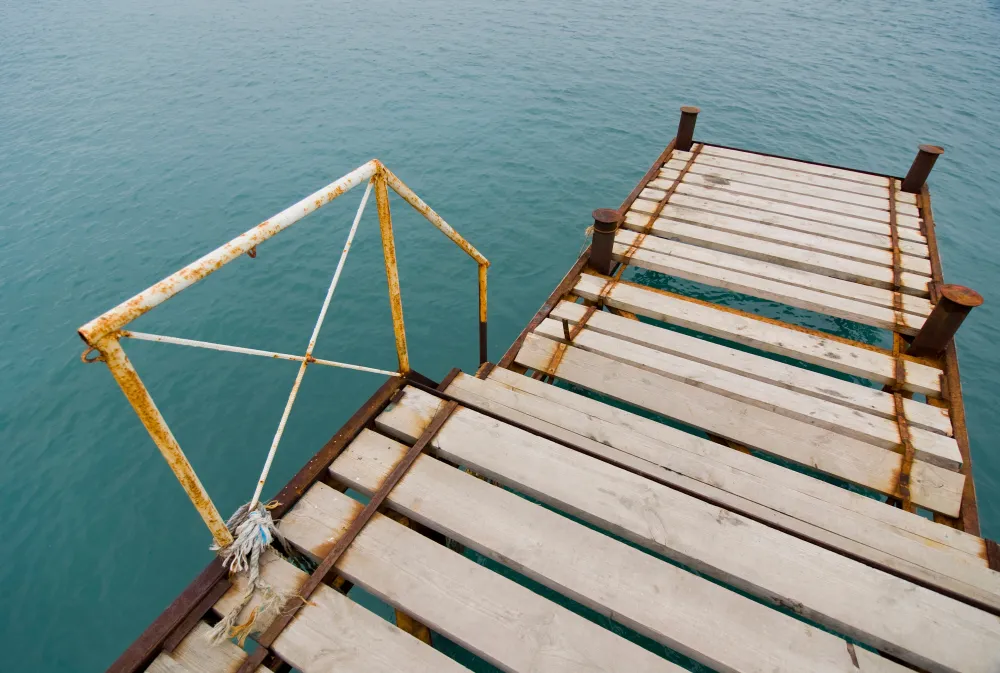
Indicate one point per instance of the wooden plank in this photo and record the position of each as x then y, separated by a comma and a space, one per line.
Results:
456, 597
910, 224
765, 288
849, 459
787, 237
776, 478
878, 200
706, 160
800, 166
877, 212
844, 230
787, 340
333, 632
661, 601
785, 499
877, 431
796, 258
707, 212
195, 654
846, 393
876, 296
923, 627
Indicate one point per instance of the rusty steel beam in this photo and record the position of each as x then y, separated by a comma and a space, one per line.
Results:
951, 389
129, 310
145, 408
391, 269
171, 621
326, 566
483, 355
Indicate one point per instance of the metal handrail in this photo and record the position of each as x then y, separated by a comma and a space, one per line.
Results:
104, 333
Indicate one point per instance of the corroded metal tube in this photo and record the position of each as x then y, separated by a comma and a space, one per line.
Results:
410, 197
482, 313
921, 168
155, 295
946, 317
130, 383
685, 127
391, 271
605, 226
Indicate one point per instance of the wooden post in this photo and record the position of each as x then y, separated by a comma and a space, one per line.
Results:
955, 303
605, 225
685, 128
921, 168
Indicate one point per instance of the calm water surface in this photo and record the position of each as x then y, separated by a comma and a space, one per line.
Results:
135, 136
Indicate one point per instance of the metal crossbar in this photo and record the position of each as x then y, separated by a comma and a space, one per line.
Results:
104, 333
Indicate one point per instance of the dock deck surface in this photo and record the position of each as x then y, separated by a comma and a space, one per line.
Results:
695, 533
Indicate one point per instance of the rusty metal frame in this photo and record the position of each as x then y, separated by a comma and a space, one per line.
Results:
103, 334
170, 624
951, 388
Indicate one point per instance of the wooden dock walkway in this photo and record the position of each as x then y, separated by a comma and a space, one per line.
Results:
653, 485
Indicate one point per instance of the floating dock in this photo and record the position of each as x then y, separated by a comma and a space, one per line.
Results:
809, 507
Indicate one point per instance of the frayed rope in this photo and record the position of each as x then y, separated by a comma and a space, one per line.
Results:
253, 531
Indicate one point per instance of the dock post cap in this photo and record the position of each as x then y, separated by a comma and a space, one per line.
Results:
931, 149
961, 295
690, 109
606, 219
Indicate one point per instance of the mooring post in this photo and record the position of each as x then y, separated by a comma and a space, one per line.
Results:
685, 127
605, 226
921, 168
947, 315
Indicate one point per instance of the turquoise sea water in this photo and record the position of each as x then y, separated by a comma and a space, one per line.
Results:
135, 137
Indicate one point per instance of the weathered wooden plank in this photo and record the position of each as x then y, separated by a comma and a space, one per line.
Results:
846, 270
785, 499
800, 166
904, 222
846, 230
715, 181
767, 336
661, 601
879, 199
877, 431
876, 296
333, 632
706, 160
777, 479
459, 598
846, 393
195, 654
923, 628
932, 487
765, 288
878, 256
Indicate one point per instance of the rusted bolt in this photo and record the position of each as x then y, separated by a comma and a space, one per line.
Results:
252, 252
